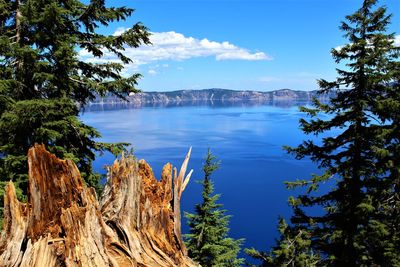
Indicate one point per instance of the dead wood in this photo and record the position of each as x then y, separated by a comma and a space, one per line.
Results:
137, 222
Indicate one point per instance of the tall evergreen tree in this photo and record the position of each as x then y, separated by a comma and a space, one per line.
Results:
208, 242
359, 224
44, 82
387, 197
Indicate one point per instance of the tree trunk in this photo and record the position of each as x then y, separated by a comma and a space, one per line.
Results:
18, 16
19, 60
136, 223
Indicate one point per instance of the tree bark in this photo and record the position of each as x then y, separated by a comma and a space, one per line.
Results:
136, 223
18, 16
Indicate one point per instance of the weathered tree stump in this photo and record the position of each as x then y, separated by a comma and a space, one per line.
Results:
136, 222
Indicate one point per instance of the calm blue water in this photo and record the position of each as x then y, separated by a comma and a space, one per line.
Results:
247, 139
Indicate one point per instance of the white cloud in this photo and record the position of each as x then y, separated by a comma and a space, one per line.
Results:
396, 43
119, 31
152, 72
241, 55
180, 68
338, 48
397, 40
175, 46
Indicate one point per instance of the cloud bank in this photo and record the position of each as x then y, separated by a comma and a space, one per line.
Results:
177, 47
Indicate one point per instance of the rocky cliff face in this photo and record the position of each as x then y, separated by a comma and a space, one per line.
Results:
222, 95
136, 223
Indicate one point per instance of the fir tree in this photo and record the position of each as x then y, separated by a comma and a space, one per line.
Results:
208, 242
387, 195
293, 249
359, 225
44, 82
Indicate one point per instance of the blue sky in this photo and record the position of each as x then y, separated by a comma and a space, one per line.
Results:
246, 45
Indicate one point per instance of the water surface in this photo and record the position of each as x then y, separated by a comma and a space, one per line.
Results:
248, 140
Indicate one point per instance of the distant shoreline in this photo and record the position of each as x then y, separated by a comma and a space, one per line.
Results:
211, 95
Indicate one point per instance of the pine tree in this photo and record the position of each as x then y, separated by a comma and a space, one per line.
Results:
44, 83
388, 194
359, 221
208, 242
293, 249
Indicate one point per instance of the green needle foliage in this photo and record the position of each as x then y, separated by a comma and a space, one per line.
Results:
208, 242
44, 83
293, 249
358, 224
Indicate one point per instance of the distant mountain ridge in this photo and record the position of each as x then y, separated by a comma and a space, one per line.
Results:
214, 94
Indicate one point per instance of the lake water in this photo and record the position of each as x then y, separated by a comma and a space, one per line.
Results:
248, 140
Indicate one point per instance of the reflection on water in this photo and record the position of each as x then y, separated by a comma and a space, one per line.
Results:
188, 103
247, 137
